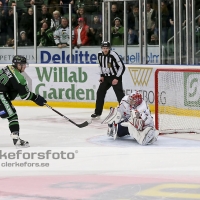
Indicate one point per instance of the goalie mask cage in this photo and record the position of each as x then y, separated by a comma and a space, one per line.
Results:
177, 100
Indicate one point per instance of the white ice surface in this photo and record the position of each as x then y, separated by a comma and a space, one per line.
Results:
170, 157
99, 160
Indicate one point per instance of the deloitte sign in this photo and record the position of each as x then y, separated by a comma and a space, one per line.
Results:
89, 56
62, 58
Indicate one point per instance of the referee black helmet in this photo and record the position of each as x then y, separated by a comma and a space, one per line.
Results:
105, 44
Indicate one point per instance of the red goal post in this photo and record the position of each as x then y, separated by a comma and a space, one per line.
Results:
180, 88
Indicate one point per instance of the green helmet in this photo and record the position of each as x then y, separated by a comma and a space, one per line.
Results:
19, 60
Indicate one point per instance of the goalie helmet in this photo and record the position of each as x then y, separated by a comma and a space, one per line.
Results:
135, 98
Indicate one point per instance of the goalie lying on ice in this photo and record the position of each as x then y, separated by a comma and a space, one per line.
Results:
132, 117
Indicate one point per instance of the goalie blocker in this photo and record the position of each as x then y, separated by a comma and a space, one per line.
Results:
132, 117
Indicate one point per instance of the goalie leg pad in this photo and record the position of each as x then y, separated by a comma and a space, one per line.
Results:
151, 137
113, 116
124, 124
115, 130
141, 136
112, 130
133, 132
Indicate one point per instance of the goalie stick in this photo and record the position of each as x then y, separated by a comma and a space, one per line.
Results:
84, 124
112, 112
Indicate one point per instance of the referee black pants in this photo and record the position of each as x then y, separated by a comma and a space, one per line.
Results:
102, 90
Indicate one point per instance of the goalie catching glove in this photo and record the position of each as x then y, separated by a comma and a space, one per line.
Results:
138, 123
40, 101
136, 120
137, 115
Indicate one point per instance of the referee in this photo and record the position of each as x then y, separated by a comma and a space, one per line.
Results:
111, 71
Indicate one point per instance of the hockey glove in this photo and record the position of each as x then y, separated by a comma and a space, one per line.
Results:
40, 101
137, 115
138, 124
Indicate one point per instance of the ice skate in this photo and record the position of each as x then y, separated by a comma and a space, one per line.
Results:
19, 143
95, 116
110, 130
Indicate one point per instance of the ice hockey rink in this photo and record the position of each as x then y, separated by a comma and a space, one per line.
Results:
93, 166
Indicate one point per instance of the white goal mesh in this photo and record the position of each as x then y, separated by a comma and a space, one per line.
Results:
179, 109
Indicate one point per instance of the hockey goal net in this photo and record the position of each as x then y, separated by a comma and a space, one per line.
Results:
177, 100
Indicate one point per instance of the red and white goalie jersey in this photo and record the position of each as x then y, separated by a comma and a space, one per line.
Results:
139, 107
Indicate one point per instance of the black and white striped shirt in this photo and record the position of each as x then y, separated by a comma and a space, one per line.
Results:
111, 65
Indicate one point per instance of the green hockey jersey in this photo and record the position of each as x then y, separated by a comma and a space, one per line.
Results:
13, 83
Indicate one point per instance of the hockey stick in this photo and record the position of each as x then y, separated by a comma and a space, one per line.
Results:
112, 110
84, 124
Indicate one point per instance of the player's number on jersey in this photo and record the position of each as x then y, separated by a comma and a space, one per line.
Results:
3, 78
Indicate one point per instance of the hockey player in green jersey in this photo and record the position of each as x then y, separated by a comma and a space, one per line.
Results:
12, 84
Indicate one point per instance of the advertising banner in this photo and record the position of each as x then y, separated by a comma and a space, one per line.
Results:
84, 55
79, 83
